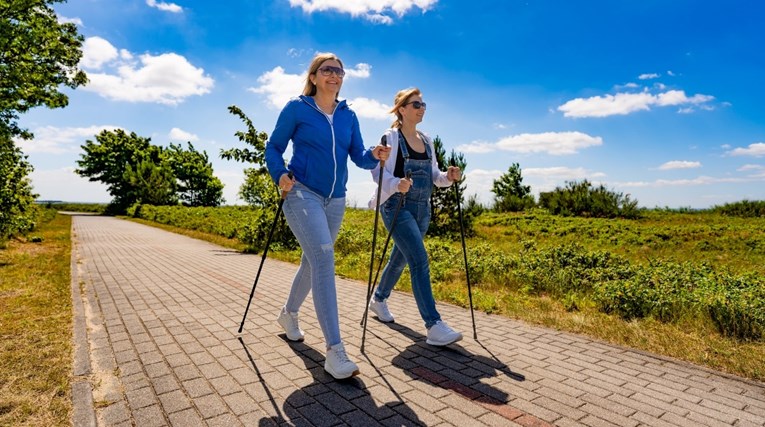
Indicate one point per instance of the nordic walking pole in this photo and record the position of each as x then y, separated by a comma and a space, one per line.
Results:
374, 234
265, 252
379, 266
464, 253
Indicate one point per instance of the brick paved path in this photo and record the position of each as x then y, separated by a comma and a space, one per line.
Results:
156, 344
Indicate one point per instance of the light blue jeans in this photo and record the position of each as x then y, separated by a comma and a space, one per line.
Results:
409, 249
315, 222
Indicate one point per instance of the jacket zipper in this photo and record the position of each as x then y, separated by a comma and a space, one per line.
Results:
334, 155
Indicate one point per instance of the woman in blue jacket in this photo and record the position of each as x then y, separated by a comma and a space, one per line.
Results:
324, 133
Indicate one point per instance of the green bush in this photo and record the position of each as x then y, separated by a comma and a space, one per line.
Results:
250, 225
737, 306
99, 208
17, 207
744, 208
664, 291
583, 199
669, 292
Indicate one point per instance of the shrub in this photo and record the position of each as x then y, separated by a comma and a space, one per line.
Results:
250, 225
737, 306
669, 291
17, 207
744, 208
582, 199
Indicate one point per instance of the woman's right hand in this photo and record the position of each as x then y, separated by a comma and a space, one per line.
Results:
286, 182
404, 184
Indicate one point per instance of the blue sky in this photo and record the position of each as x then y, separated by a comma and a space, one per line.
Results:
661, 100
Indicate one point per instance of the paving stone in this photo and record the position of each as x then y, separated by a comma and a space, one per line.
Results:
174, 401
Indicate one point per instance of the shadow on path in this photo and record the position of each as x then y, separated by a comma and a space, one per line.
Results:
328, 402
452, 367
280, 418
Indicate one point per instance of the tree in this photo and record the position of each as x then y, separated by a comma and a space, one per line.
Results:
510, 195
584, 199
113, 159
17, 208
196, 184
444, 220
151, 183
37, 55
258, 189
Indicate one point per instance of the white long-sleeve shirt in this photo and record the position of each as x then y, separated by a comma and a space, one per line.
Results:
390, 182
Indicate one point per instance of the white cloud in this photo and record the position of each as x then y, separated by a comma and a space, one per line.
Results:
372, 10
679, 164
648, 76
181, 135
701, 180
379, 19
96, 52
296, 53
362, 71
370, 108
562, 173
167, 7
755, 150
480, 182
55, 140
626, 103
165, 79
279, 87
629, 85
554, 143
65, 20
755, 171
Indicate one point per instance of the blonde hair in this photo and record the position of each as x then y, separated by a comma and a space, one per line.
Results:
402, 97
310, 89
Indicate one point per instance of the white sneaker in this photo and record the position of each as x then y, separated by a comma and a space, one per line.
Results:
380, 308
337, 363
441, 334
289, 322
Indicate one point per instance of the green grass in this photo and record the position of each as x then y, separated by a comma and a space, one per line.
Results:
35, 328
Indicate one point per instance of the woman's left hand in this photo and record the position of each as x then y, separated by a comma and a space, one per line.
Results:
453, 173
381, 152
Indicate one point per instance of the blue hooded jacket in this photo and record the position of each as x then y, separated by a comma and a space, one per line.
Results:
320, 149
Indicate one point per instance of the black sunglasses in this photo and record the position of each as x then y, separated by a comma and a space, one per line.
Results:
327, 71
417, 105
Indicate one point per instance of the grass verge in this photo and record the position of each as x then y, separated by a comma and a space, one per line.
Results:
35, 328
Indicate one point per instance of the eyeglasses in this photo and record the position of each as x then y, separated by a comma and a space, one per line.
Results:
417, 105
327, 71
